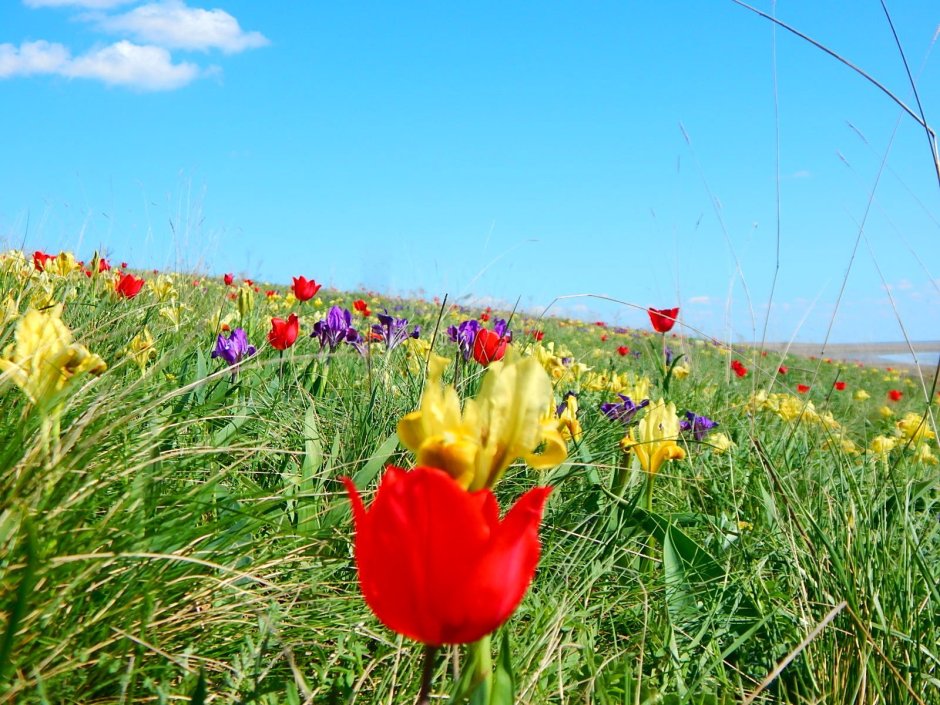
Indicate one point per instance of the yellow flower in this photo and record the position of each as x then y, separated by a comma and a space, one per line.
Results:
655, 440
882, 445
246, 300
913, 427
162, 287
142, 350
416, 352
886, 412
568, 422
507, 420
44, 360
924, 455
720, 442
861, 395
10, 310
63, 265
680, 371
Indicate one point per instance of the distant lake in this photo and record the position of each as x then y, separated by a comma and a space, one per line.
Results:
926, 358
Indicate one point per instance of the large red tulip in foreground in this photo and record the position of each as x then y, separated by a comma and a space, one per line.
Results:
436, 563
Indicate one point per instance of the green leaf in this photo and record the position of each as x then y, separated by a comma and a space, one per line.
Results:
24, 590
376, 462
503, 680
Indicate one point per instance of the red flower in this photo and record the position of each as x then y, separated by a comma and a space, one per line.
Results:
739, 369
802, 388
663, 319
270, 292
895, 395
249, 282
305, 289
435, 562
782, 370
537, 335
283, 333
123, 265
40, 258
604, 338
103, 265
362, 307
229, 279
623, 351
484, 316
489, 346
600, 323
128, 285
840, 386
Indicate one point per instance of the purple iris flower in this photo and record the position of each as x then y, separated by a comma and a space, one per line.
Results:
393, 331
500, 327
668, 356
624, 411
234, 348
698, 425
464, 334
336, 328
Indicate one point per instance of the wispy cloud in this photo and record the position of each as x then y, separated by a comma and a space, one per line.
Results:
88, 4
174, 25
146, 68
700, 300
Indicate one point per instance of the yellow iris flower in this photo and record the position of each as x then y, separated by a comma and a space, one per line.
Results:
654, 441
44, 360
507, 420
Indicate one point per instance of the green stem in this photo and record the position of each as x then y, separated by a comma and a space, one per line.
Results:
648, 496
424, 697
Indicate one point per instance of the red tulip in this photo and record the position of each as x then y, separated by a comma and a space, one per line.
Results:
783, 369
802, 388
128, 285
663, 319
488, 346
623, 351
40, 258
840, 386
435, 562
362, 307
739, 369
537, 335
228, 279
305, 289
484, 316
895, 395
283, 333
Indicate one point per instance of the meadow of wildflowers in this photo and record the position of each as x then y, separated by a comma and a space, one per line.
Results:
214, 490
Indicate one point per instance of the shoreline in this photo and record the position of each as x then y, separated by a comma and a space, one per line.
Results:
870, 354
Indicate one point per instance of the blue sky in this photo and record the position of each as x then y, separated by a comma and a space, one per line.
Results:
490, 151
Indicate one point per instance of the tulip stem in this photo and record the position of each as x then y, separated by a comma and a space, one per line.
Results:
424, 697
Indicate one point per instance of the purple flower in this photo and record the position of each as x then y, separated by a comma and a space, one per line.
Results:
393, 331
336, 328
698, 425
464, 335
500, 327
234, 348
668, 352
624, 411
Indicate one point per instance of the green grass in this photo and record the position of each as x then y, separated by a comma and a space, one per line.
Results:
190, 531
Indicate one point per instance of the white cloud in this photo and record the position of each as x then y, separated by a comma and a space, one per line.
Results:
32, 58
172, 24
88, 4
700, 300
146, 68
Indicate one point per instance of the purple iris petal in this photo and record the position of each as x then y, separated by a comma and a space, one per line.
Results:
464, 334
624, 411
336, 328
500, 328
393, 331
234, 348
698, 425
668, 356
